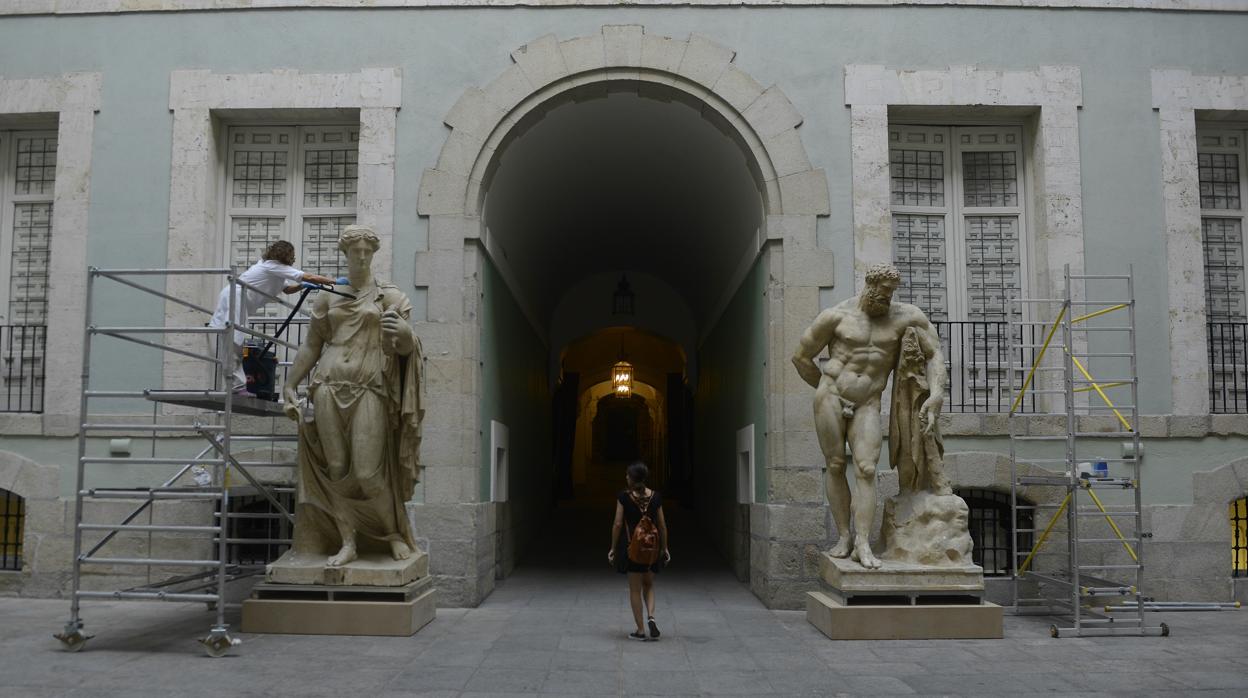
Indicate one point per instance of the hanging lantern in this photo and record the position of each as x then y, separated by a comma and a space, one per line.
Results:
622, 300
622, 379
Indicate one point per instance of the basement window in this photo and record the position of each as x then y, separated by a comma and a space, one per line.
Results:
1239, 537
991, 530
12, 519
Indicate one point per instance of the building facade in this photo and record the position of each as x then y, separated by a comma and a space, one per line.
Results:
726, 168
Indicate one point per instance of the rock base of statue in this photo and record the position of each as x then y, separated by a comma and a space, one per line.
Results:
372, 569
317, 609
923, 528
901, 601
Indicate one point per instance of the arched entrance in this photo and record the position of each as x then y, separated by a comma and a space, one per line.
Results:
621, 154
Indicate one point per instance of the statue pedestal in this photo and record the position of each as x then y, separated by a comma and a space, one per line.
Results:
374, 595
901, 602
370, 569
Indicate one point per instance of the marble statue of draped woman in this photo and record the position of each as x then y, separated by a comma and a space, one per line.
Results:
358, 447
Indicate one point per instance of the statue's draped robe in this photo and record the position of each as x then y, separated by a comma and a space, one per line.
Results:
917, 457
354, 368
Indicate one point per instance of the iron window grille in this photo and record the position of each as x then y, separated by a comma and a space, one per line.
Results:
255, 517
12, 518
1239, 537
990, 529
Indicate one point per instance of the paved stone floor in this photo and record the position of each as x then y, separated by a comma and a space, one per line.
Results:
557, 626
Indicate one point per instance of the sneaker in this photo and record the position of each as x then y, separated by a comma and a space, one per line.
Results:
638, 636
654, 629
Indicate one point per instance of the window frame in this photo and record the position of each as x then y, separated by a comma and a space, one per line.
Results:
956, 211
294, 213
1222, 131
9, 200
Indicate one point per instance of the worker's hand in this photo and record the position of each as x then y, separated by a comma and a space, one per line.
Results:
611, 556
290, 402
396, 334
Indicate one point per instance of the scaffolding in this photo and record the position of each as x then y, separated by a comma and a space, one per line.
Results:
197, 567
1088, 563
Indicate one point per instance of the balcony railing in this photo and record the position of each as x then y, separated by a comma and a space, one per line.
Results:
22, 350
1228, 367
977, 356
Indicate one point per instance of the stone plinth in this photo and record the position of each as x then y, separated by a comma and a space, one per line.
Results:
901, 602
370, 570
902, 622
340, 610
849, 578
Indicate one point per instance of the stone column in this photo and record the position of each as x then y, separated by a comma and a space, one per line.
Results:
452, 521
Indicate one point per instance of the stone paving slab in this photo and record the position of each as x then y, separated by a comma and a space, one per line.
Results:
559, 628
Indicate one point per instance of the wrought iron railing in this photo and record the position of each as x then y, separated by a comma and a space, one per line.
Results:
22, 350
977, 356
1228, 367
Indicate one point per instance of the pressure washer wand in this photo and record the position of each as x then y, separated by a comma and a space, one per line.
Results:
308, 287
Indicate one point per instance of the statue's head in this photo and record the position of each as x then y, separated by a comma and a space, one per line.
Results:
882, 280
358, 243
353, 234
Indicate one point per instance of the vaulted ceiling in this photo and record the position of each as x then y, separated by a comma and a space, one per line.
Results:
623, 182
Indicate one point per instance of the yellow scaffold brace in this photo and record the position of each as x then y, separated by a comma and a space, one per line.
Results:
1099, 388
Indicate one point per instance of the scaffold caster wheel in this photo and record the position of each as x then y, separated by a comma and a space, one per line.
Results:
1053, 632
218, 643
1165, 630
72, 640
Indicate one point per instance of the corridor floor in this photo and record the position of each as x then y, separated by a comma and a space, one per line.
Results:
557, 625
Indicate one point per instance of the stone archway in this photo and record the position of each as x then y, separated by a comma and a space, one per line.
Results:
546, 72
763, 120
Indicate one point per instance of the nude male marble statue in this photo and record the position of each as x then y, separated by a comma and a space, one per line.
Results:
863, 336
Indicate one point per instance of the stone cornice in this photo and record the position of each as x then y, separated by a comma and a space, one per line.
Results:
80, 7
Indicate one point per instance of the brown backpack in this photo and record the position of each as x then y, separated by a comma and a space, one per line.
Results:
643, 543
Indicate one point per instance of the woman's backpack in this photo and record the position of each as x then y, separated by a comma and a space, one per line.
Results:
643, 543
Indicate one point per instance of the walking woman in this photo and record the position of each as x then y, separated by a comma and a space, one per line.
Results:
639, 546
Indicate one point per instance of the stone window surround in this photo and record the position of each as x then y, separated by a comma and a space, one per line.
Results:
72, 99
74, 7
1054, 91
199, 99
1177, 96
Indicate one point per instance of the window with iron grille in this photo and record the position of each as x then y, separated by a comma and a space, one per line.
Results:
959, 241
254, 517
990, 529
27, 182
12, 520
1220, 164
1239, 537
295, 183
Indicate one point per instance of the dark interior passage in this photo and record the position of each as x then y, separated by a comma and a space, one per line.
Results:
622, 222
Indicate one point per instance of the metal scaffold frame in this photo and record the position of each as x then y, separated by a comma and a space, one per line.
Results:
1076, 589
214, 419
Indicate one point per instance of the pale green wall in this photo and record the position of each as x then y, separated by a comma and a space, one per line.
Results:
514, 391
802, 50
730, 395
